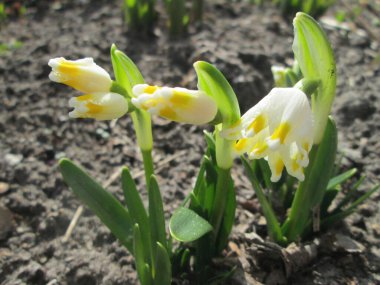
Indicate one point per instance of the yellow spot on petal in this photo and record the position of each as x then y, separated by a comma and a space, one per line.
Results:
295, 165
181, 99
84, 97
68, 68
69, 74
93, 108
260, 147
279, 167
240, 145
281, 132
150, 89
236, 124
306, 146
168, 113
148, 104
258, 124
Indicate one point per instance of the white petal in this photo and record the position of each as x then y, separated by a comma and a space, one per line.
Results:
82, 74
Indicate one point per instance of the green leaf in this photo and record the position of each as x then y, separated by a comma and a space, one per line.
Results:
311, 191
101, 202
139, 254
187, 226
363, 197
337, 180
316, 60
136, 209
228, 218
156, 214
350, 193
163, 267
273, 225
212, 81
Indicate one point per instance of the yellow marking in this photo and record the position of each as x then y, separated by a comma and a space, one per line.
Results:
306, 146
258, 124
180, 99
168, 113
151, 103
70, 74
150, 89
68, 68
241, 144
236, 124
295, 165
93, 108
260, 147
84, 97
281, 132
279, 166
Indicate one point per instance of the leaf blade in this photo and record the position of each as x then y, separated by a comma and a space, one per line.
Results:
101, 202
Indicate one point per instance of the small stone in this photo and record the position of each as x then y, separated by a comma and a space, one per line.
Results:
13, 159
4, 187
347, 244
359, 39
34, 273
6, 223
376, 230
356, 107
262, 221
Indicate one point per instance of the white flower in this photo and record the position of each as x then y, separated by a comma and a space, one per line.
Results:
82, 74
99, 106
280, 129
175, 104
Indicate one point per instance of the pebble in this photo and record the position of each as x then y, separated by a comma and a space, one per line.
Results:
4, 187
376, 230
346, 244
6, 223
356, 108
13, 159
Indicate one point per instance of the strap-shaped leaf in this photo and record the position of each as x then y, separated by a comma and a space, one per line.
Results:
337, 180
163, 267
187, 226
312, 190
229, 216
139, 254
274, 229
101, 202
316, 60
136, 210
156, 214
212, 81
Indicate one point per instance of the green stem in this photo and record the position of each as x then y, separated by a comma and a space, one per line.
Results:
143, 128
148, 165
220, 201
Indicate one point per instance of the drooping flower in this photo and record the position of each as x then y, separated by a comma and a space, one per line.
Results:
280, 129
82, 74
99, 106
175, 104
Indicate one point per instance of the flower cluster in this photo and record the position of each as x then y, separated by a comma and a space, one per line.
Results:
86, 76
280, 129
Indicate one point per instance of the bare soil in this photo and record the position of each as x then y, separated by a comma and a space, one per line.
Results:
242, 40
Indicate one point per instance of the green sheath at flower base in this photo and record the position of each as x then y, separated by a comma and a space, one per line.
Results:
214, 84
127, 75
316, 60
